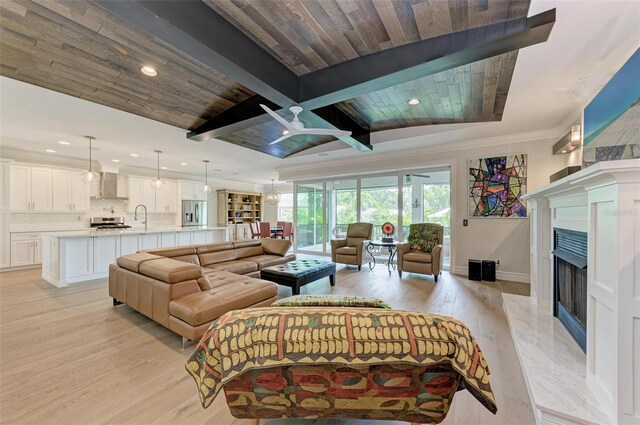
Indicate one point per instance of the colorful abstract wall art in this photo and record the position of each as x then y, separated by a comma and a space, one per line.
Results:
496, 186
612, 119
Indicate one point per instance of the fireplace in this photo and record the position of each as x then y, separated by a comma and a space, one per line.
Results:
570, 282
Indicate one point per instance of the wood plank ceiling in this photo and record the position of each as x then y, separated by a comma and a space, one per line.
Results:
77, 48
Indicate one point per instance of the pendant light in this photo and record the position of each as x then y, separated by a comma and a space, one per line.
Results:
90, 175
158, 183
271, 197
206, 188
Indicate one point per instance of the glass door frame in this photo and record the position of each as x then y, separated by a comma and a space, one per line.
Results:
441, 166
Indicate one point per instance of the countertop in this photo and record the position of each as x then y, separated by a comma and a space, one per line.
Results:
83, 233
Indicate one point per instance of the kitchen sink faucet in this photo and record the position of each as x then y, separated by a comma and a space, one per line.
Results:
135, 215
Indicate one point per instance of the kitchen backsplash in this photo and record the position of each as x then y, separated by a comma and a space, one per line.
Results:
50, 221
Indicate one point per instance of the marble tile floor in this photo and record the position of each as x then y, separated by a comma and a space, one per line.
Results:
553, 365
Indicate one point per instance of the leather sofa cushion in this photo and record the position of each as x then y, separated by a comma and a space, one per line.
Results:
270, 260
417, 256
347, 250
229, 293
354, 241
213, 247
204, 283
247, 243
192, 258
208, 258
169, 270
132, 261
249, 251
173, 252
275, 246
236, 266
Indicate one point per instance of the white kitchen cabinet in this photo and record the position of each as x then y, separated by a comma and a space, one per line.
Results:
192, 191
4, 186
149, 241
26, 249
106, 250
183, 238
129, 244
167, 240
22, 253
141, 192
20, 188
30, 188
41, 189
199, 237
70, 193
167, 198
81, 262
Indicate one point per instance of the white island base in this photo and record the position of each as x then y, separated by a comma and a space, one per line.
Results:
78, 256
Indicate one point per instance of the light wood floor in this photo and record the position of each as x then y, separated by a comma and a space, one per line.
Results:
67, 356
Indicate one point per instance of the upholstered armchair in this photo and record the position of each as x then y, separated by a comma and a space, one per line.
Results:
422, 253
351, 249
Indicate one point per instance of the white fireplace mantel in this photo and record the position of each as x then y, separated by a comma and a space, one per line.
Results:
603, 201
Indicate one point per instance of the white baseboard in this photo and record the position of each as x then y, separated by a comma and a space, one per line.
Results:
500, 275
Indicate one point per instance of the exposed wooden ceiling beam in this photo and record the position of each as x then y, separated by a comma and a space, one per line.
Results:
388, 68
203, 34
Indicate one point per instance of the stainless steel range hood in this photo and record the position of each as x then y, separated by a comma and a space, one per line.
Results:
108, 188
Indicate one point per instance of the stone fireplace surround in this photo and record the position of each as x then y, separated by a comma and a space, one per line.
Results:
603, 201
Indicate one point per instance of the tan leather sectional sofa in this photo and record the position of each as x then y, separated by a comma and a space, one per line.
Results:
186, 288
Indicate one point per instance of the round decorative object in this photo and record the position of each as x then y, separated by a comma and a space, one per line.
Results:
388, 229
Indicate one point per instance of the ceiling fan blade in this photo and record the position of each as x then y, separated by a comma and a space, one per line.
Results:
280, 139
277, 117
326, 132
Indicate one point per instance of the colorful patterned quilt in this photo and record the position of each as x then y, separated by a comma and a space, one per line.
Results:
273, 337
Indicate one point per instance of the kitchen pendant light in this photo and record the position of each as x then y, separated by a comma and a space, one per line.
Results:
271, 197
206, 188
90, 175
157, 183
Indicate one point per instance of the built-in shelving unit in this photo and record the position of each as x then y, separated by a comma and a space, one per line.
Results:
238, 207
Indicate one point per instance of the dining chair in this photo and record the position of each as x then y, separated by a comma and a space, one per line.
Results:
265, 229
287, 230
255, 230
278, 233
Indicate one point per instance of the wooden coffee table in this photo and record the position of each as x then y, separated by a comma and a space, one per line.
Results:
300, 272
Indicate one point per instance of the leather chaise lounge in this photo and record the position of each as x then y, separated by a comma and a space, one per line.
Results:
187, 288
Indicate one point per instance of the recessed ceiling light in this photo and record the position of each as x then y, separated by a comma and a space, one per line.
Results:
50, 150
62, 142
115, 160
564, 151
284, 133
135, 155
163, 168
413, 101
149, 71
183, 163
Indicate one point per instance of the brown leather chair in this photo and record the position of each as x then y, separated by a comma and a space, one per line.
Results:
428, 259
351, 249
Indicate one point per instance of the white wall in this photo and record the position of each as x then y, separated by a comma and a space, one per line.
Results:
484, 238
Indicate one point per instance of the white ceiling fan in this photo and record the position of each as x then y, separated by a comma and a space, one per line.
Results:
296, 127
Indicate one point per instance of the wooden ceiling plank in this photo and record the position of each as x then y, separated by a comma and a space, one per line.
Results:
391, 22
424, 21
72, 10
240, 20
149, 56
356, 42
337, 15
364, 31
314, 10
404, 12
14, 7
12, 37
373, 21
459, 13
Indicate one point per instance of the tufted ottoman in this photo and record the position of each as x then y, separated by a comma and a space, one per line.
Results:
298, 273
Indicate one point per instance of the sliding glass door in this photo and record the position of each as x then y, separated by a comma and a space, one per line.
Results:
324, 209
309, 232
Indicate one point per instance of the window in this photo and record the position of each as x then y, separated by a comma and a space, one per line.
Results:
285, 207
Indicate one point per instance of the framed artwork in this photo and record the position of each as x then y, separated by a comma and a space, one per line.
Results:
496, 186
611, 122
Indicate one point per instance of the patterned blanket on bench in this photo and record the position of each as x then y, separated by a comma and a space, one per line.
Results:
251, 339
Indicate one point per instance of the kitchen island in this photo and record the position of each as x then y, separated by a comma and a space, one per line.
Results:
82, 255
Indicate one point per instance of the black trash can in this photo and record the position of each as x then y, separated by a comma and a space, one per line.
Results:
475, 270
489, 270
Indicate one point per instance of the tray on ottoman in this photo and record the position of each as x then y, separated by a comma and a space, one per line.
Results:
298, 273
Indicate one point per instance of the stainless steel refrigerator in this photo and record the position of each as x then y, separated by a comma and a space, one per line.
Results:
194, 213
